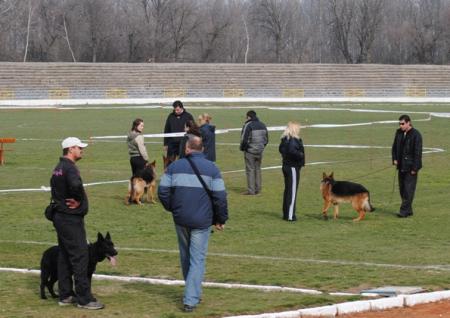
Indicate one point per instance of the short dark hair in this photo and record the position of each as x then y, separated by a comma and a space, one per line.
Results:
65, 151
194, 142
251, 114
136, 123
405, 118
177, 103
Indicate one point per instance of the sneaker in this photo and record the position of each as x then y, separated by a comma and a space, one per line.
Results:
93, 305
71, 300
188, 308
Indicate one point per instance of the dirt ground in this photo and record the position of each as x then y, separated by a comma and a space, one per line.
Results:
431, 310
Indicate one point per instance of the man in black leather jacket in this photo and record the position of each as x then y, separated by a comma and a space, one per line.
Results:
71, 207
175, 123
407, 157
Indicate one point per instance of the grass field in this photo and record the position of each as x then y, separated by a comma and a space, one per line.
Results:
257, 247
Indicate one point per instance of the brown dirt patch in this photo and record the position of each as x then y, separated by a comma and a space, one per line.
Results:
431, 310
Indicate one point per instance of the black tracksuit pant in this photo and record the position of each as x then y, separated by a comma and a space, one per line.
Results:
73, 257
137, 163
407, 186
291, 179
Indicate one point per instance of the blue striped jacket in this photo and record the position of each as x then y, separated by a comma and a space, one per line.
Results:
181, 193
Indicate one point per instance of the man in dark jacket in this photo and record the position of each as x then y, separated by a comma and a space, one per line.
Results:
181, 193
254, 138
71, 207
175, 124
407, 157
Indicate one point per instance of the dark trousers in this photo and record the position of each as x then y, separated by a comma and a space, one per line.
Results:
173, 149
137, 163
291, 180
407, 186
73, 258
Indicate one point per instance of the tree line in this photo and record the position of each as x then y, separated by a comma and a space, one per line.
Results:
226, 31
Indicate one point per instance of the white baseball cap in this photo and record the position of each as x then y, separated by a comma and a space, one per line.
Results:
72, 142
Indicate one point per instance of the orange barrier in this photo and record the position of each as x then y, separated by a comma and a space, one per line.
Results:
2, 150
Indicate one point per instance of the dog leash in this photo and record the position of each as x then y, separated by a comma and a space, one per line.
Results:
369, 174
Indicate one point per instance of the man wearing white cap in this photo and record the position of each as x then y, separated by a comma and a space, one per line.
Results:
71, 207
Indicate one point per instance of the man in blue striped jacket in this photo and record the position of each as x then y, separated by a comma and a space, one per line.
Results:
181, 193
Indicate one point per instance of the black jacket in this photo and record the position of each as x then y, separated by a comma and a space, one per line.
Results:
66, 183
292, 151
175, 124
407, 150
254, 136
209, 141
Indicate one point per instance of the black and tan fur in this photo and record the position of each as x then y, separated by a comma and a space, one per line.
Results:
335, 192
144, 179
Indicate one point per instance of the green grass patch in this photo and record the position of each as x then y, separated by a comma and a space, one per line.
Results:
257, 247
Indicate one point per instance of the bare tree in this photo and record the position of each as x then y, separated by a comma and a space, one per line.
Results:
342, 15
274, 17
156, 14
217, 21
30, 13
427, 30
244, 31
368, 20
182, 24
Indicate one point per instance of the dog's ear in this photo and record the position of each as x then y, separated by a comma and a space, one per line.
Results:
99, 237
331, 175
108, 237
324, 175
153, 164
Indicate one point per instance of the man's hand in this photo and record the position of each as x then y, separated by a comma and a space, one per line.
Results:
165, 149
72, 203
219, 227
413, 172
395, 162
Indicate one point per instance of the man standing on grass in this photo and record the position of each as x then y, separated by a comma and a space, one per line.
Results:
175, 123
407, 157
194, 210
71, 207
254, 138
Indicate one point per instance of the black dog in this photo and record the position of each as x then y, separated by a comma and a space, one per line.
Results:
98, 251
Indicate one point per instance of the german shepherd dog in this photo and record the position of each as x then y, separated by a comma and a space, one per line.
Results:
335, 192
98, 251
144, 179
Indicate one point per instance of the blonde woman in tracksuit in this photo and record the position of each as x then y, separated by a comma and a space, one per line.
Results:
293, 153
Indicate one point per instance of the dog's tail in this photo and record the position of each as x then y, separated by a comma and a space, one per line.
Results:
368, 207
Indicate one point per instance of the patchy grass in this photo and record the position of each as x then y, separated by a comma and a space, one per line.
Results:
257, 247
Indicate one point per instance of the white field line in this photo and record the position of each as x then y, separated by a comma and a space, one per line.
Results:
435, 267
174, 282
273, 128
47, 189
48, 103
